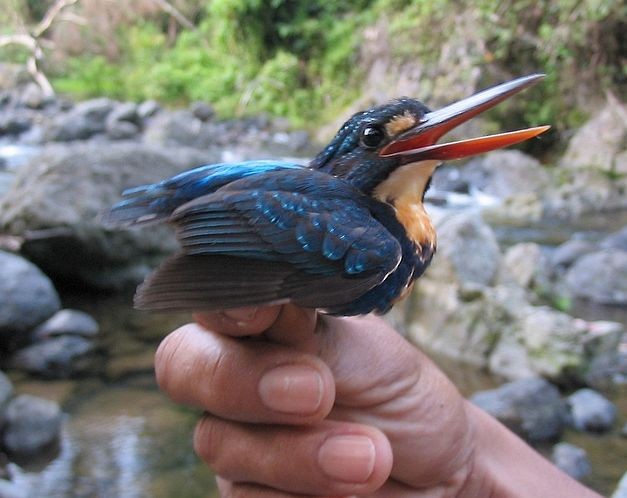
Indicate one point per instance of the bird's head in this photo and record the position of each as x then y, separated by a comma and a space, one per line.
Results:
391, 150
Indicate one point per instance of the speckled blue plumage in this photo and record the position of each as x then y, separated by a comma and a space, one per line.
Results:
316, 240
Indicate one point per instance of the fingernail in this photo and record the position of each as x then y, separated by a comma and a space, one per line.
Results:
347, 458
292, 389
241, 315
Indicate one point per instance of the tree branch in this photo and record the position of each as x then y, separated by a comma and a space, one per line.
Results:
175, 13
52, 12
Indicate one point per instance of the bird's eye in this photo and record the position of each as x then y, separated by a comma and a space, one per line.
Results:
372, 136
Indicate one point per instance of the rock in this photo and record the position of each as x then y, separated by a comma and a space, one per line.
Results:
600, 277
126, 111
450, 179
572, 460
6, 391
58, 197
591, 411
525, 265
147, 109
570, 251
9, 489
607, 371
32, 96
596, 144
56, 358
174, 128
505, 174
467, 250
27, 298
121, 130
594, 166
621, 489
83, 121
123, 122
616, 240
15, 122
31, 425
202, 110
532, 408
67, 322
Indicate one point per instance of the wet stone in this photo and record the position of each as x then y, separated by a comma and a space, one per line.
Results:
31, 425
67, 322
572, 460
530, 407
590, 411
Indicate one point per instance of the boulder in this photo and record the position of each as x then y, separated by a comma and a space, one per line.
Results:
468, 252
174, 129
600, 277
202, 110
66, 322
56, 358
6, 391
593, 170
31, 425
32, 96
9, 489
572, 460
507, 173
57, 199
525, 265
148, 109
83, 121
122, 130
564, 255
591, 411
533, 408
616, 240
15, 122
27, 298
597, 143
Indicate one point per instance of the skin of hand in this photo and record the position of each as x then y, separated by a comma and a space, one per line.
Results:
302, 404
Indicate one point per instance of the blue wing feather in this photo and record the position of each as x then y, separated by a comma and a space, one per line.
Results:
268, 231
153, 203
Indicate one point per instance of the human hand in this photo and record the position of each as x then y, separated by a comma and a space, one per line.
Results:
302, 404
316, 405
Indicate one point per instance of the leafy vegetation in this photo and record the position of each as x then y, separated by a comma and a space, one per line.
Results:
302, 60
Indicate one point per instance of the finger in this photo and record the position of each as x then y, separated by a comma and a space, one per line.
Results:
230, 489
383, 380
243, 380
240, 321
331, 458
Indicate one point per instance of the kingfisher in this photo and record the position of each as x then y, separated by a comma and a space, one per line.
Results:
347, 234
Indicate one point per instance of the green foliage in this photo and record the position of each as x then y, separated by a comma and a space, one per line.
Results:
301, 59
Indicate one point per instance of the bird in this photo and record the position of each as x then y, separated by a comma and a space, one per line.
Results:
347, 234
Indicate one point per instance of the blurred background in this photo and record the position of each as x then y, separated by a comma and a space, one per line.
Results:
101, 95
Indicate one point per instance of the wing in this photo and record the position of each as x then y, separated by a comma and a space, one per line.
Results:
292, 236
156, 202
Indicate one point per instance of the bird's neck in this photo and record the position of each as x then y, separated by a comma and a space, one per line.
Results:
404, 189
407, 183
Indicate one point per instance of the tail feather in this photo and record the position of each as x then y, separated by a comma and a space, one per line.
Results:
144, 205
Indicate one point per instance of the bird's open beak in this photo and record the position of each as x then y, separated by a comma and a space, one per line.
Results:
419, 143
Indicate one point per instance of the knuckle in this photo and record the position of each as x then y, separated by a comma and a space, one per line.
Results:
168, 358
207, 442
